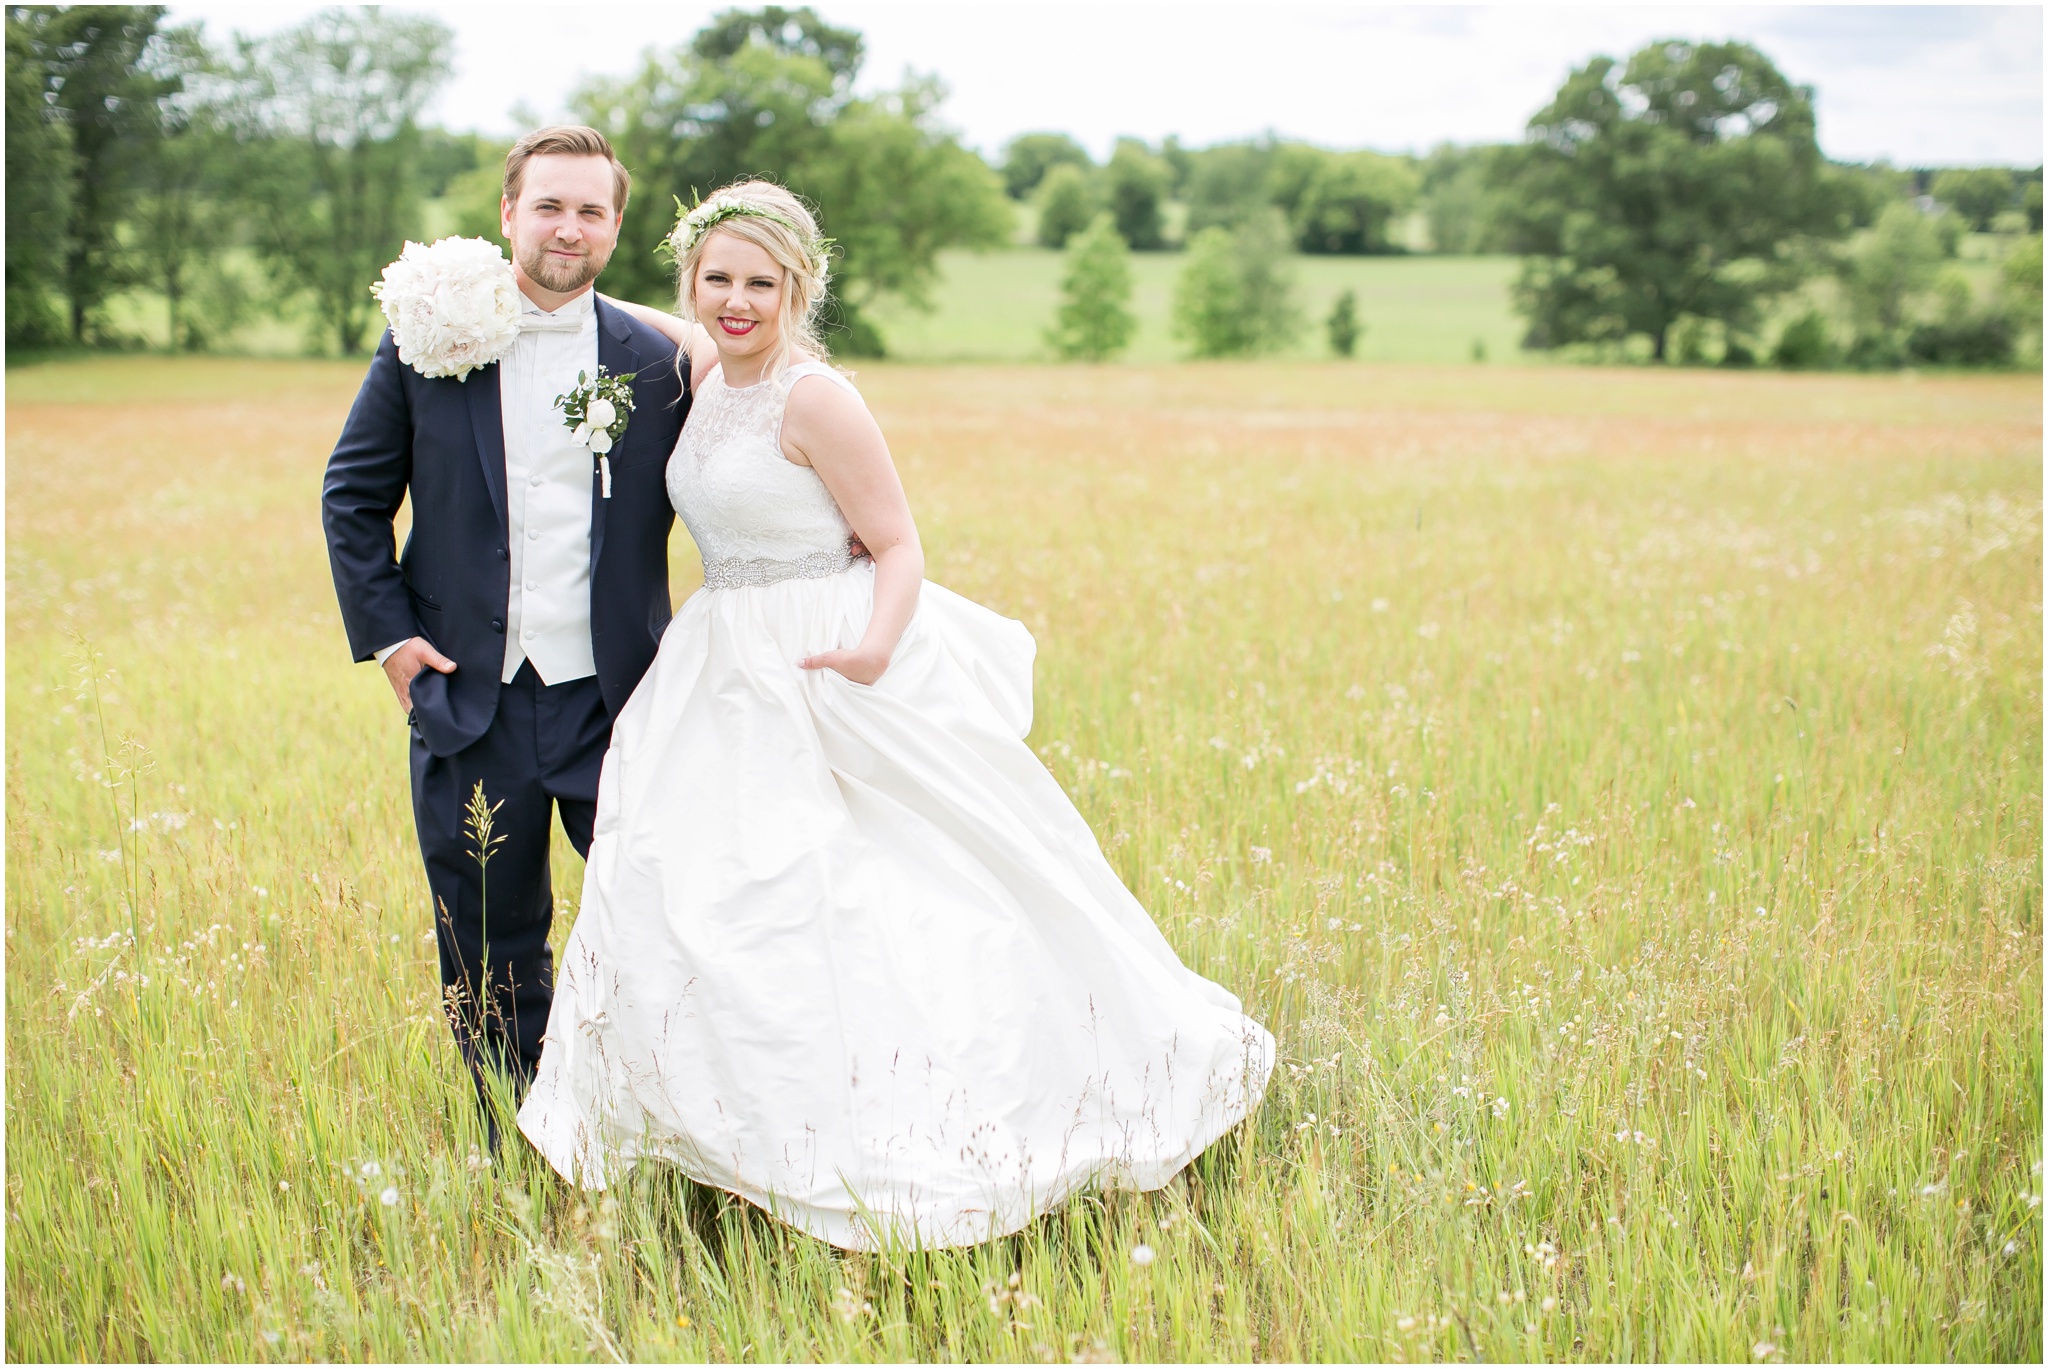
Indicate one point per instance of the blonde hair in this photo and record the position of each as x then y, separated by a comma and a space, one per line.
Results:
788, 233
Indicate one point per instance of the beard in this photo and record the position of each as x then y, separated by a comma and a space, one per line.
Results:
562, 277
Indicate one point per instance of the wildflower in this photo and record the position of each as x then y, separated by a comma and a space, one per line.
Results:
1549, 1304
1503, 1297
232, 1283
683, 1323
1763, 1349
271, 1337
1403, 1323
284, 1186
389, 1197
1142, 1255
1261, 855
371, 1169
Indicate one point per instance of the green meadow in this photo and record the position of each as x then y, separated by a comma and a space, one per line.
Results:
995, 306
1618, 789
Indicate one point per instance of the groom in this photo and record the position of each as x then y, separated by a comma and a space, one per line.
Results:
525, 606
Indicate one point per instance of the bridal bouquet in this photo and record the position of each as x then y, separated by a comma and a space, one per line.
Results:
453, 307
597, 412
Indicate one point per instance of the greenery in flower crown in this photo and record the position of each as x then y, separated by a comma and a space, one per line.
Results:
693, 223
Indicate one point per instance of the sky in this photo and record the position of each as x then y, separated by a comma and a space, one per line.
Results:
1915, 85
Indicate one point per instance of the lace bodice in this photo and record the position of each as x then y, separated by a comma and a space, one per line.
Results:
743, 501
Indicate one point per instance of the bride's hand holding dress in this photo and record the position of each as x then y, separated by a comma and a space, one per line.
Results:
827, 428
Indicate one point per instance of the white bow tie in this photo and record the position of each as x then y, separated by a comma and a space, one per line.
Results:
552, 323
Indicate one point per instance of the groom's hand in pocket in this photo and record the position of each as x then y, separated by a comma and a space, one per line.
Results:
402, 665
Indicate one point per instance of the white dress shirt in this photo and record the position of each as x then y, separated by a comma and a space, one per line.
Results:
548, 487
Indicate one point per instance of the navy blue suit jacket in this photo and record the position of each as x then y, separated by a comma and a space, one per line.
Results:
443, 441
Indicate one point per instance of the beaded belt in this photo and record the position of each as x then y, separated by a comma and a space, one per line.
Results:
737, 573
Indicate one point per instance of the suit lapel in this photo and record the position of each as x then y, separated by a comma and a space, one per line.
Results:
616, 355
487, 422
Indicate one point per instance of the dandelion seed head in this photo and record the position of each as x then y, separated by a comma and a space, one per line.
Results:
389, 1197
1142, 1255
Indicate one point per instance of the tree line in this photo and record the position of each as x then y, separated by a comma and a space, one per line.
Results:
1675, 205
282, 172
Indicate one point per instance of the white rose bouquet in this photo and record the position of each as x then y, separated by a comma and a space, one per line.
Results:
597, 412
453, 307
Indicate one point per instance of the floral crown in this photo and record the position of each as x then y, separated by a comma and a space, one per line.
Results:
693, 224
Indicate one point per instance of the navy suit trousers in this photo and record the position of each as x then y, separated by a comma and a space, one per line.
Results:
542, 752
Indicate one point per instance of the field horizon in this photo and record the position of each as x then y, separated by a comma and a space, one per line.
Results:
1617, 788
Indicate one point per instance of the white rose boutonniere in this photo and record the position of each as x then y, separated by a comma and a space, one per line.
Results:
597, 412
453, 307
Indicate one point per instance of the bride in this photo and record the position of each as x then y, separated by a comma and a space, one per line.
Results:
845, 948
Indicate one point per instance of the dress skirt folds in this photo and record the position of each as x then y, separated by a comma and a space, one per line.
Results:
849, 952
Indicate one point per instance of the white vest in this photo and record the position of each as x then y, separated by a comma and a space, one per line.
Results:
548, 488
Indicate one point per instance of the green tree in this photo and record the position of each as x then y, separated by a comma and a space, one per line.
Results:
1234, 296
1137, 180
1342, 325
99, 86
769, 93
1805, 343
1067, 203
182, 190
40, 170
329, 114
1684, 184
1977, 193
894, 188
1028, 156
2019, 279
444, 156
1228, 184
753, 93
473, 195
1342, 202
1094, 321
1881, 274
1457, 199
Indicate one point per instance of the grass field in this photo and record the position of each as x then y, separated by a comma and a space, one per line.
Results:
996, 306
1618, 789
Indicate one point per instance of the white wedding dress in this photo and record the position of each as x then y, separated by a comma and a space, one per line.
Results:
848, 951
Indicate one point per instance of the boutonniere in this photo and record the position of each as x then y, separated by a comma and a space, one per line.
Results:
597, 412
453, 307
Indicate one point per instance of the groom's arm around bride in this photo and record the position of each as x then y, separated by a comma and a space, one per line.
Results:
529, 597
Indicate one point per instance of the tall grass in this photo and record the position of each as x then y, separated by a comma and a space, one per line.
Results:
1620, 792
